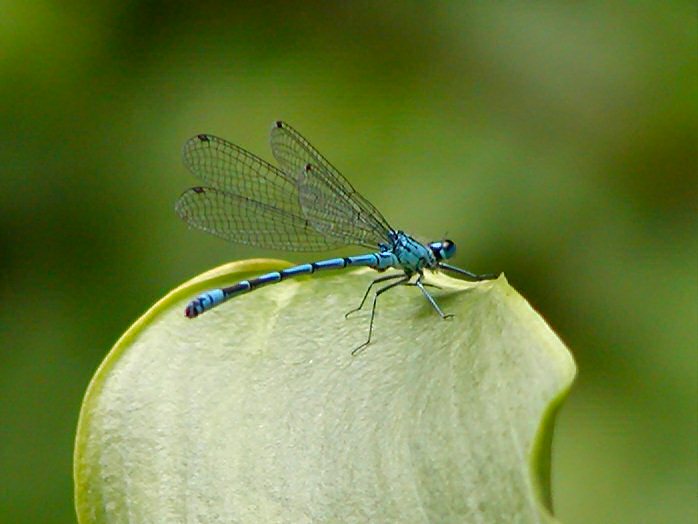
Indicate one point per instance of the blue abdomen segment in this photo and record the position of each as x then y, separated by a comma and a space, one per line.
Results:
210, 299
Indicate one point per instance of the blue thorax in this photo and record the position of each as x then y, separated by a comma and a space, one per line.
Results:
412, 256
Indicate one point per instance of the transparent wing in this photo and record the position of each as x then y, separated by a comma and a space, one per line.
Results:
223, 165
246, 221
327, 199
249, 201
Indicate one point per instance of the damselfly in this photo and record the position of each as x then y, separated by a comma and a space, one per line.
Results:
303, 205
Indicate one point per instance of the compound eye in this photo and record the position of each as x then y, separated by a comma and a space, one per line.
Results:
448, 248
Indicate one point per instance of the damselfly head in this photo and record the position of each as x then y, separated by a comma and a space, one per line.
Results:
443, 249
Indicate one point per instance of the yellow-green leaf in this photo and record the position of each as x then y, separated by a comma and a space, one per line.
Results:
257, 411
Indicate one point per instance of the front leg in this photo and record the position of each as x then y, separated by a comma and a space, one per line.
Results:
468, 274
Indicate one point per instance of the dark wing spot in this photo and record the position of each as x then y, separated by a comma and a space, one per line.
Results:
203, 138
198, 189
279, 124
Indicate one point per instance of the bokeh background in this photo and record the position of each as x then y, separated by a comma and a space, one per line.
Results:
556, 143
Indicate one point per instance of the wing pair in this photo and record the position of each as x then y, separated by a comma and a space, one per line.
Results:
306, 205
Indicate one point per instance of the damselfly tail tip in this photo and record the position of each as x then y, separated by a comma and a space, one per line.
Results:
191, 311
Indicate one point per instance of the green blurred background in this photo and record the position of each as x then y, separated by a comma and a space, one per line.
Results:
555, 143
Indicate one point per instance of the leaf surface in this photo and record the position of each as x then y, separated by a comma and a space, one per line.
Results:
257, 411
